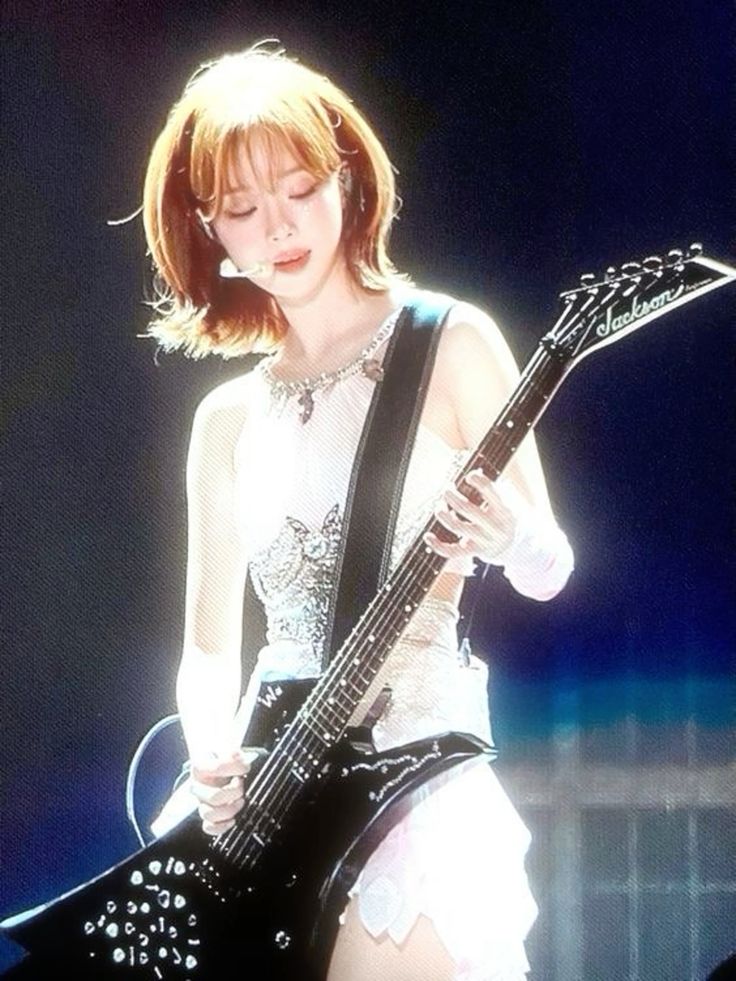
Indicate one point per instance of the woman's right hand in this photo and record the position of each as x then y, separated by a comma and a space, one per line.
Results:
218, 784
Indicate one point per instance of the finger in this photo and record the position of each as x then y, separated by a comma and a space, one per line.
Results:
448, 550
215, 796
476, 478
215, 769
249, 754
463, 505
501, 494
475, 537
225, 812
457, 525
492, 491
217, 828
451, 521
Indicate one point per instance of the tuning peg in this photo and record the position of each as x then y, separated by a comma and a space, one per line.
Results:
631, 268
587, 279
652, 263
610, 274
675, 256
695, 249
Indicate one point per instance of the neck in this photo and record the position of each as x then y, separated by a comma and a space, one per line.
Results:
331, 326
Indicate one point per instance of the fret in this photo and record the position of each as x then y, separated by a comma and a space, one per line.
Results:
593, 315
319, 726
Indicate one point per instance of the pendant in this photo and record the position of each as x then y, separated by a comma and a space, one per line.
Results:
306, 401
373, 369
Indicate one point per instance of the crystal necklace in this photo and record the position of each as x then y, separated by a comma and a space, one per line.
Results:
282, 391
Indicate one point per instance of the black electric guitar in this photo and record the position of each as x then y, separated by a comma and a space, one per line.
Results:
262, 900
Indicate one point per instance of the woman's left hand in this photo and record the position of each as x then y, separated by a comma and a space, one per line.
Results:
484, 529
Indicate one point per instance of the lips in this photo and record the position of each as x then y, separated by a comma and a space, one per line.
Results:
295, 265
286, 257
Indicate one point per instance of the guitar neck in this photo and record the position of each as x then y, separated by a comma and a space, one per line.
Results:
325, 714
350, 674
592, 316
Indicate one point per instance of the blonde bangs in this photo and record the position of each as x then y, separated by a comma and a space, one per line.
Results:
249, 109
221, 140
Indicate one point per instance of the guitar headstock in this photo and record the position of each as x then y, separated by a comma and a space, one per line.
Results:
603, 309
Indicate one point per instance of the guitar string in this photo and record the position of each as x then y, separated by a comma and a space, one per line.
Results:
319, 743
309, 742
301, 737
282, 789
397, 597
328, 688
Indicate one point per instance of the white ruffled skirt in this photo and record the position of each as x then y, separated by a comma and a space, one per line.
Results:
457, 857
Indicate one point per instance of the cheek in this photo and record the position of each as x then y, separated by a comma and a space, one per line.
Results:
327, 216
235, 239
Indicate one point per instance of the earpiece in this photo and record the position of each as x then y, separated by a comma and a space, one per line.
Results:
205, 226
259, 270
346, 180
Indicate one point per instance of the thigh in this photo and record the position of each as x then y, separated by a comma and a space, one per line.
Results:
360, 957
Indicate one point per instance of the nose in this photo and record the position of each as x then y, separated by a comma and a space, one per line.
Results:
279, 224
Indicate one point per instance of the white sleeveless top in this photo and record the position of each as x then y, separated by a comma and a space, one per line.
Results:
457, 856
291, 487
291, 482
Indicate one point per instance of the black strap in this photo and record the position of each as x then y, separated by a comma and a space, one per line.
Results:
381, 463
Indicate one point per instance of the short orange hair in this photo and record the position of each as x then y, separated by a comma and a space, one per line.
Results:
227, 105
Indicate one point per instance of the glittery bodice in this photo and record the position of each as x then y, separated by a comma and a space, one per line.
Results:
292, 481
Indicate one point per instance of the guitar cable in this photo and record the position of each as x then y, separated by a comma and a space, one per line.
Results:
169, 720
155, 729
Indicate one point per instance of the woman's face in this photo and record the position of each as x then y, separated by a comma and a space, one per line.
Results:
294, 226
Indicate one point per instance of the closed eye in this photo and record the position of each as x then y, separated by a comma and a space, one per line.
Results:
305, 194
241, 214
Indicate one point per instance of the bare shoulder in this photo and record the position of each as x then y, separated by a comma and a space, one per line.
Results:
221, 414
472, 340
475, 371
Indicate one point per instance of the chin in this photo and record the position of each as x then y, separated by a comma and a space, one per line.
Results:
307, 282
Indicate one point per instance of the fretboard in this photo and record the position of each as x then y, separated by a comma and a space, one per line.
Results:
325, 714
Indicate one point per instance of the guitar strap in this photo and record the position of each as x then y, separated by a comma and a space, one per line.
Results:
381, 463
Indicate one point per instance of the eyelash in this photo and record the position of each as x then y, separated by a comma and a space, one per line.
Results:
293, 197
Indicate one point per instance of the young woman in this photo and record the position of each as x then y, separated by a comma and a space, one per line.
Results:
268, 204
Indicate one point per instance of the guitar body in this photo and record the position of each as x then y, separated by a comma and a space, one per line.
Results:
262, 902
178, 909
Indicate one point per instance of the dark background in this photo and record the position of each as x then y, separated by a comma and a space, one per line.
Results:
534, 142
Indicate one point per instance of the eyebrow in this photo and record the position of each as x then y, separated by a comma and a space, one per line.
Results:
240, 188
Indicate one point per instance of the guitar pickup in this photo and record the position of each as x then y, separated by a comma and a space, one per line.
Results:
361, 736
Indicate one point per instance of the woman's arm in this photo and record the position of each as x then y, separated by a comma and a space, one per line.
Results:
209, 678
515, 526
